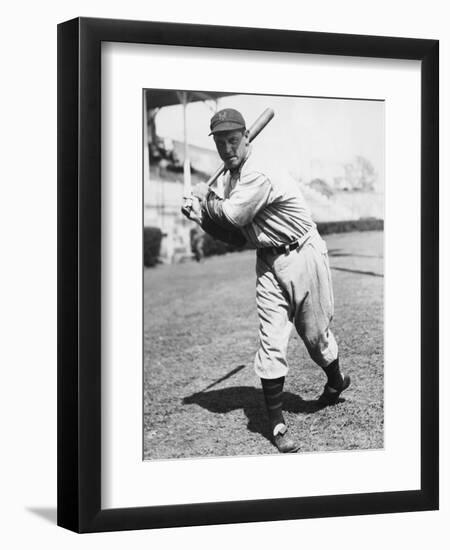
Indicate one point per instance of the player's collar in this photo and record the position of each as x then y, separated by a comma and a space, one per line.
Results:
239, 170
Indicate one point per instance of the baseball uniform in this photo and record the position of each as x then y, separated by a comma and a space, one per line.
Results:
293, 287
293, 282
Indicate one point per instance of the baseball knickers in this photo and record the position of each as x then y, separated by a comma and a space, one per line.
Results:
294, 289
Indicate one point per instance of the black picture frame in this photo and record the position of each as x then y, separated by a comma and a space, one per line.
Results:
79, 274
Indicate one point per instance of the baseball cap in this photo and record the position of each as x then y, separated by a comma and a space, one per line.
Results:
225, 120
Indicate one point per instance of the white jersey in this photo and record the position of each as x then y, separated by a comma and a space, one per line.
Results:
265, 204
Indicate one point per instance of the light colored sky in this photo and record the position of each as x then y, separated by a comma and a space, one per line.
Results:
305, 132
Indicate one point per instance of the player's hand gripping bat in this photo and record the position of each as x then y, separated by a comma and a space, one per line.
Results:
254, 130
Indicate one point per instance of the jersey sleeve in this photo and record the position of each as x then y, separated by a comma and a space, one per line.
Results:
251, 194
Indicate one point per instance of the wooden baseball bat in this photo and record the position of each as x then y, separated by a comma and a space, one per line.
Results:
254, 130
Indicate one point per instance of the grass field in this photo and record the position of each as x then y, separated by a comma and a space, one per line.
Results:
201, 395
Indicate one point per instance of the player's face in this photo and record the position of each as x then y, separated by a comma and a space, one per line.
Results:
232, 147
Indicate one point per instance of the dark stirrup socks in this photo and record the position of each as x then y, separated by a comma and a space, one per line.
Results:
334, 375
273, 395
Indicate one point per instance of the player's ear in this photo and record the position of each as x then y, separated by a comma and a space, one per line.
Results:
246, 136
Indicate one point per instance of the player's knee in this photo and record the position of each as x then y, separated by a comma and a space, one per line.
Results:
316, 344
322, 347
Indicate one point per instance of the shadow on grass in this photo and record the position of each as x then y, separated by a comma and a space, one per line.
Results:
251, 401
358, 271
339, 253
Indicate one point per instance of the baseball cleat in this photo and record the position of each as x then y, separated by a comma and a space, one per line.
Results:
284, 443
330, 396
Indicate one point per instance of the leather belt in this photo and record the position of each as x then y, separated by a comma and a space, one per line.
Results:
287, 248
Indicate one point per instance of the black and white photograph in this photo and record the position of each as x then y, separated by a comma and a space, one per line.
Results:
263, 277
226, 258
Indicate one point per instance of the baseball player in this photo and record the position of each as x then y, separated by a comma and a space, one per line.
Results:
293, 280
198, 243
